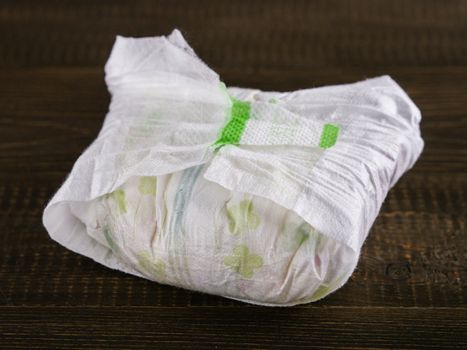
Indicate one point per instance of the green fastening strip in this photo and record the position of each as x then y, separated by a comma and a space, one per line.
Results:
232, 132
329, 136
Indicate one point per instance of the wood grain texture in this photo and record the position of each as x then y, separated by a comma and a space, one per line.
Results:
410, 288
244, 33
226, 328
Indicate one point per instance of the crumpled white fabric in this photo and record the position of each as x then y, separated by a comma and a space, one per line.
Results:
274, 220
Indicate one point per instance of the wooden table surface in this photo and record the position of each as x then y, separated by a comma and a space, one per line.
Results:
410, 287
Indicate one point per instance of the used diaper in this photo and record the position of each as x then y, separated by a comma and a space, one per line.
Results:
263, 197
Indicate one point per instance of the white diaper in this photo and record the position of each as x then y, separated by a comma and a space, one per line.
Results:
263, 197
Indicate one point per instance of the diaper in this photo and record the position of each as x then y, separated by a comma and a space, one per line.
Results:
263, 197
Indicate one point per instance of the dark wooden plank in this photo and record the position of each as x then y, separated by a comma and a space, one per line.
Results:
276, 33
410, 288
233, 328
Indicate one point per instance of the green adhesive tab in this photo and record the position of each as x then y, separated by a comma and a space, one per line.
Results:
329, 136
232, 132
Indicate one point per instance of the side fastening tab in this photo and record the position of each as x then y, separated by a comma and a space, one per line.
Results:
329, 136
232, 132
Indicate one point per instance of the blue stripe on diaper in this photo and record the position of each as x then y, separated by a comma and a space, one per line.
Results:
182, 198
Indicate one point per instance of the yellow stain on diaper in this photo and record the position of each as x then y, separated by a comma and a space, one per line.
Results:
154, 267
242, 262
147, 185
242, 217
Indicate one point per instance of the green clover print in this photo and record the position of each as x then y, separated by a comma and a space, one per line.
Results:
109, 239
302, 234
242, 217
321, 292
155, 267
119, 197
242, 262
147, 185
